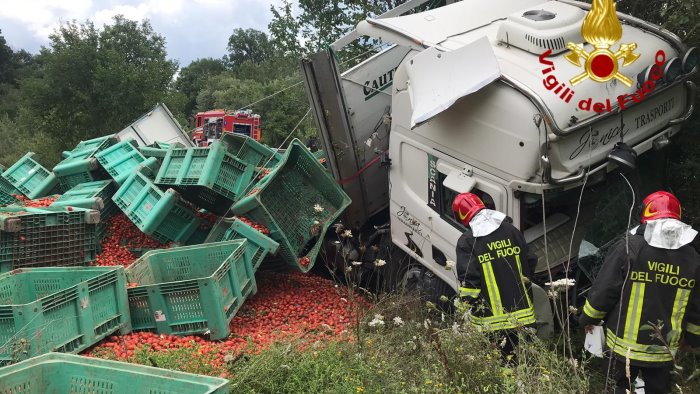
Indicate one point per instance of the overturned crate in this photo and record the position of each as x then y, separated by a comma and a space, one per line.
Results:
31, 178
191, 289
297, 202
81, 166
122, 159
67, 373
209, 177
92, 195
160, 214
159, 150
60, 309
7, 191
47, 237
258, 246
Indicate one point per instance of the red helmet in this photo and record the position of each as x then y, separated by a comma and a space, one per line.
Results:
659, 205
465, 206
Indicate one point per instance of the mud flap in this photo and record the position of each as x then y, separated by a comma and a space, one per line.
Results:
543, 312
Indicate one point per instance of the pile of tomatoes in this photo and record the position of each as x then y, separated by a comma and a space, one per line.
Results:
258, 227
289, 308
123, 237
37, 203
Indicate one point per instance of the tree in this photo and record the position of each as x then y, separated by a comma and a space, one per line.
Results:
92, 83
248, 45
193, 77
284, 31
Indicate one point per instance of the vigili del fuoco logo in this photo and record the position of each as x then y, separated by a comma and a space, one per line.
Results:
602, 29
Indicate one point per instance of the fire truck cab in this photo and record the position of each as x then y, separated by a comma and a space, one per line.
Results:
210, 125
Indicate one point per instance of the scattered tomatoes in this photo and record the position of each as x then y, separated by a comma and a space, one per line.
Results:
123, 237
259, 227
287, 307
37, 203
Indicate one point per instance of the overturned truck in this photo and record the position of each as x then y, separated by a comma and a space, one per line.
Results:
535, 106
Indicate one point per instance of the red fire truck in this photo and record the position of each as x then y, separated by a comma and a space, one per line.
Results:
210, 125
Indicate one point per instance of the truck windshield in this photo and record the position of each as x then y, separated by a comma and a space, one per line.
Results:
602, 218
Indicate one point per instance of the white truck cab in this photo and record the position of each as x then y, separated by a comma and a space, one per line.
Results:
477, 96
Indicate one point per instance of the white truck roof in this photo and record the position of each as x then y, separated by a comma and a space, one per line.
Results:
451, 27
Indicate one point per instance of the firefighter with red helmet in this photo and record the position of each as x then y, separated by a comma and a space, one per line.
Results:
648, 279
493, 262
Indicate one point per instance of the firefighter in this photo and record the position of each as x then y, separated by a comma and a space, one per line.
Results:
648, 279
493, 262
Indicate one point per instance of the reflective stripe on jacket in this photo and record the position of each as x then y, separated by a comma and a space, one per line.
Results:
658, 288
491, 270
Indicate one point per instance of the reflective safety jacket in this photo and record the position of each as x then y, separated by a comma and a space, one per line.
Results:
490, 268
649, 285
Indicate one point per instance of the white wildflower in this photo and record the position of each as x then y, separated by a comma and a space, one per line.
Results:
561, 284
378, 321
398, 321
455, 328
318, 208
379, 263
502, 344
426, 323
348, 269
356, 263
347, 234
573, 362
573, 310
450, 265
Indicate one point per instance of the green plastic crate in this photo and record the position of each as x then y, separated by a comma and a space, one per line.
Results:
209, 177
31, 178
159, 149
121, 159
160, 214
81, 166
67, 373
60, 309
7, 191
285, 204
259, 244
191, 289
251, 151
95, 145
46, 237
93, 195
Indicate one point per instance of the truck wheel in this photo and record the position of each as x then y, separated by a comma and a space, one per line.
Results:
429, 287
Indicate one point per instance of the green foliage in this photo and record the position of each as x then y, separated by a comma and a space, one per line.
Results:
248, 45
92, 82
192, 78
421, 352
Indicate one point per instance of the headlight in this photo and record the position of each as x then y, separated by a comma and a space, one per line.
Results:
672, 69
690, 60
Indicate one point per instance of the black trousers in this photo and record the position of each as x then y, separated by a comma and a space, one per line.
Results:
657, 380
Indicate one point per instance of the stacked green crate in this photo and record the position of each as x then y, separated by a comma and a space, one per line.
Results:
191, 289
159, 150
31, 178
7, 191
60, 309
92, 195
122, 159
47, 237
297, 202
209, 177
67, 373
160, 214
81, 166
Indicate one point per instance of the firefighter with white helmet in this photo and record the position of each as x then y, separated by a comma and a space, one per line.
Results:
648, 279
493, 261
